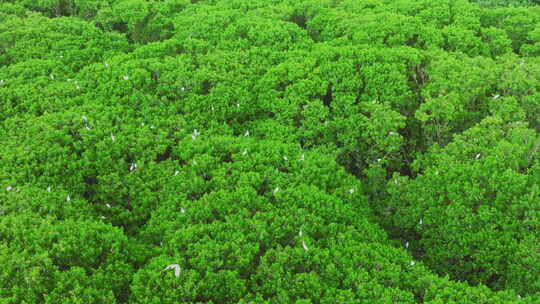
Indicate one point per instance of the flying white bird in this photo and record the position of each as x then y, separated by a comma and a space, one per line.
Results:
305, 246
176, 268
8, 188
133, 167
126, 77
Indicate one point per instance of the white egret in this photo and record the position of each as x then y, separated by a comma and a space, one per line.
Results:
245, 152
247, 133
285, 158
112, 137
1, 81
496, 96
49, 189
237, 105
133, 166
68, 198
51, 76
176, 172
176, 268
183, 89
420, 222
413, 263
407, 244
183, 210
8, 188
351, 191
126, 77
302, 156
392, 133
477, 156
102, 217
300, 232
305, 246
276, 190
108, 205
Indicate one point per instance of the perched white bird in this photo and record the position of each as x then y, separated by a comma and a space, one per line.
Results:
49, 189
477, 156
193, 137
183, 210
247, 133
300, 232
237, 105
496, 96
420, 222
285, 158
133, 166
176, 172
152, 127
126, 77
183, 89
212, 107
245, 152
102, 217
276, 190
78, 87
196, 132
305, 246
302, 156
351, 191
407, 244
51, 76
392, 133
112, 137
378, 160
68, 198
1, 81
413, 263
8, 188
176, 268
108, 205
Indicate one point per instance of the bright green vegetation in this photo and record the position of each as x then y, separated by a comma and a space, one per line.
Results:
306, 151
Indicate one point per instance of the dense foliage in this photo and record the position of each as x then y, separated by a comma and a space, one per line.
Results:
306, 151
